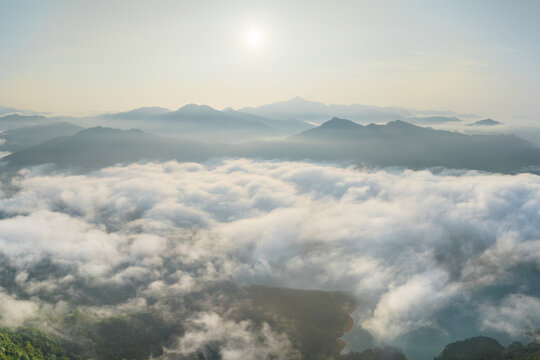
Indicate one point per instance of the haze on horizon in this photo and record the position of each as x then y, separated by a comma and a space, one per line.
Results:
74, 57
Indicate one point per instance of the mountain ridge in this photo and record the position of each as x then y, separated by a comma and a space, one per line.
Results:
396, 143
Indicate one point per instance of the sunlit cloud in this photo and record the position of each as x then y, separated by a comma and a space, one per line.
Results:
408, 243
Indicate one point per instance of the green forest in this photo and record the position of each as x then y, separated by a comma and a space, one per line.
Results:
126, 342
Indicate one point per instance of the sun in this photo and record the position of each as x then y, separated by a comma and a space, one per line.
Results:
254, 38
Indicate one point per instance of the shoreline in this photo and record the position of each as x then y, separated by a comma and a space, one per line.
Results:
346, 328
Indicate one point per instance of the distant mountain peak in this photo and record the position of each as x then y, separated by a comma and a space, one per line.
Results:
401, 124
196, 108
338, 123
141, 112
150, 108
98, 129
485, 122
343, 129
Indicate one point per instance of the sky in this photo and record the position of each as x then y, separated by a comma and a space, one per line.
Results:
79, 57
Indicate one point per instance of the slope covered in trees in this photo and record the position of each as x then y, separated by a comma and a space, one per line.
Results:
485, 348
30, 344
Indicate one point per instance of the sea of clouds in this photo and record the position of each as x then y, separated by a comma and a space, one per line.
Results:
441, 251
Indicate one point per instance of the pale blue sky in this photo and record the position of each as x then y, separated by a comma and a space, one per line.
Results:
81, 56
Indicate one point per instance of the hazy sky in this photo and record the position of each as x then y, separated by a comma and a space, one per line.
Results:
81, 56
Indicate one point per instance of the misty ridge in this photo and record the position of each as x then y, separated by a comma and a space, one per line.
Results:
199, 132
294, 230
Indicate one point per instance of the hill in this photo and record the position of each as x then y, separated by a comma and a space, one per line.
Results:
100, 146
399, 143
485, 348
30, 344
485, 122
385, 353
27, 136
204, 122
203, 118
395, 144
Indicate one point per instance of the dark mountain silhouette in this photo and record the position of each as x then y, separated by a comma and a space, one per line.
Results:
340, 124
476, 348
485, 122
20, 138
338, 129
100, 146
385, 353
334, 129
397, 143
485, 348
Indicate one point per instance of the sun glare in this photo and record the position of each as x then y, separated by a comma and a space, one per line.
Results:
254, 38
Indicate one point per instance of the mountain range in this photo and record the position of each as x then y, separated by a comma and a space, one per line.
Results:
317, 112
396, 143
27, 136
193, 120
277, 119
98, 147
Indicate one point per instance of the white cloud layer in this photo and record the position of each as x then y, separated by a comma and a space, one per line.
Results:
409, 243
237, 340
516, 314
14, 311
